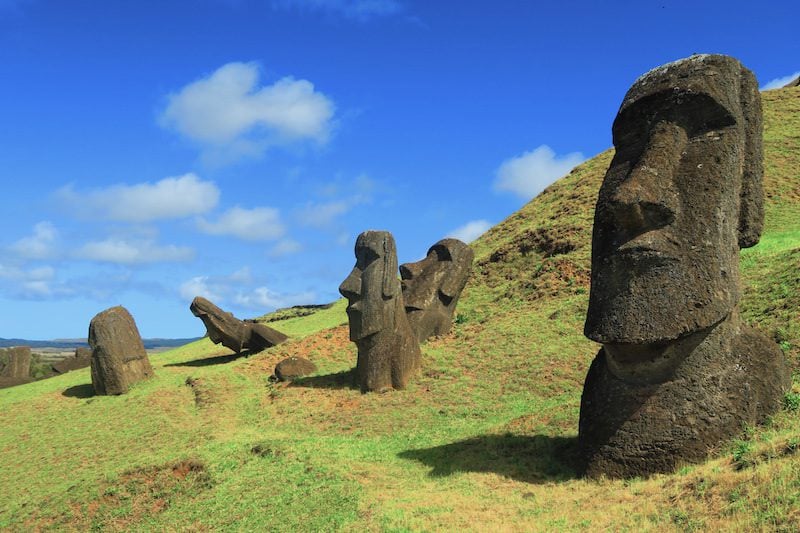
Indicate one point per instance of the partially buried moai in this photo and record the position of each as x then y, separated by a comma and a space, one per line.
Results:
678, 372
118, 356
238, 335
388, 351
432, 286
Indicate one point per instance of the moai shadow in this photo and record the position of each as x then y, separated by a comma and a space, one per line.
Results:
388, 351
678, 372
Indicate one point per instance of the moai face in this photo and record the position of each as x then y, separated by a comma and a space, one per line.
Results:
682, 195
431, 287
372, 285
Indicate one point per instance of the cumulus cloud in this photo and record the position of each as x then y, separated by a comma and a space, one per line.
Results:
528, 174
228, 111
780, 82
240, 290
321, 215
32, 284
121, 251
169, 198
471, 230
285, 247
353, 9
39, 245
265, 299
258, 224
198, 286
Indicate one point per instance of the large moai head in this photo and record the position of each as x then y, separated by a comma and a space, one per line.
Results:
222, 327
682, 195
372, 287
432, 286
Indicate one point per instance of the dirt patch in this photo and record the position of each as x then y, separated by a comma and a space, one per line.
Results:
327, 345
203, 396
138, 494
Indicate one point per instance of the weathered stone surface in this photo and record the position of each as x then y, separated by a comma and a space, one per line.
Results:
294, 367
388, 351
432, 286
82, 359
118, 356
223, 328
6, 382
678, 372
19, 362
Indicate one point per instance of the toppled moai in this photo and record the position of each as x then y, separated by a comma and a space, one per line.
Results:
432, 286
118, 356
19, 362
224, 328
81, 359
388, 350
678, 372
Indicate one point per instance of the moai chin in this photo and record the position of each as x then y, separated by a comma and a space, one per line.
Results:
678, 372
432, 286
388, 351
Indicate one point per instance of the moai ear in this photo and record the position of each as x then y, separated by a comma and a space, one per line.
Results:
391, 286
751, 207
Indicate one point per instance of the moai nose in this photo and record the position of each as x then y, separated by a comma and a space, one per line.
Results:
351, 286
648, 198
409, 270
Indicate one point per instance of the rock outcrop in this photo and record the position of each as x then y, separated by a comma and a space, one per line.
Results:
81, 359
294, 367
118, 356
678, 372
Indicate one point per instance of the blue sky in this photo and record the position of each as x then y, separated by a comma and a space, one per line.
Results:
153, 151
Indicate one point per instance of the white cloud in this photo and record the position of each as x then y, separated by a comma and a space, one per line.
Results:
122, 251
198, 286
353, 9
34, 284
39, 245
285, 247
321, 215
258, 224
528, 174
264, 299
471, 230
780, 82
169, 198
228, 112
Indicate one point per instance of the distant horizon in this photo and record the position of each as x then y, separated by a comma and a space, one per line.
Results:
234, 150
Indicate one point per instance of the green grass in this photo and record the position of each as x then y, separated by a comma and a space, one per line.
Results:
483, 439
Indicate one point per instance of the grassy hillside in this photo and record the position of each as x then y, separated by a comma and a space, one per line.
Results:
483, 439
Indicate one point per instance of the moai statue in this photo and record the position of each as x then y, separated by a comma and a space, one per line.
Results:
431, 287
223, 328
678, 372
19, 362
118, 356
388, 351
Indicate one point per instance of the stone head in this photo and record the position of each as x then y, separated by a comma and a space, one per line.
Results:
372, 286
431, 287
222, 327
682, 195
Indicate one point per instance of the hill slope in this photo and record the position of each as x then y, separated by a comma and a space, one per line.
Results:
484, 439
